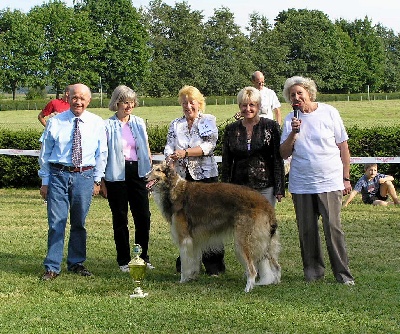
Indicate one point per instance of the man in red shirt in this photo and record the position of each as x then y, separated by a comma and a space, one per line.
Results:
54, 107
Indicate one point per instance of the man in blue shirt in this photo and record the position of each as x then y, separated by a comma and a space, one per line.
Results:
68, 185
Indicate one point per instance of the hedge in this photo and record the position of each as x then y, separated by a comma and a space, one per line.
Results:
21, 171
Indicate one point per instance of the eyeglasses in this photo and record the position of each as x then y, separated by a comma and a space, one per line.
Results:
127, 102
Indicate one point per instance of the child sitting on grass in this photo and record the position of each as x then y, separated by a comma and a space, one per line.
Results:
374, 187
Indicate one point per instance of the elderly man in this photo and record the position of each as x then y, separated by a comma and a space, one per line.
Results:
269, 101
72, 162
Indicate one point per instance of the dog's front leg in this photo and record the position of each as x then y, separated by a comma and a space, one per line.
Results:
190, 260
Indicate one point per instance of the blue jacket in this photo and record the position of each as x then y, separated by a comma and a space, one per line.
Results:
115, 168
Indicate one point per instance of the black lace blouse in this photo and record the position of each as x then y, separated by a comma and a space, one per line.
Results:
258, 165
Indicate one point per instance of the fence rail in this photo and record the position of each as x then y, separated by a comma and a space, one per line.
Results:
160, 157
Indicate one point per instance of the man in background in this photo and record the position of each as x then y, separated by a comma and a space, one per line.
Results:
270, 104
55, 107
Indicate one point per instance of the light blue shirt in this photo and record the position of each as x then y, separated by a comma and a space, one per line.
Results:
115, 169
57, 143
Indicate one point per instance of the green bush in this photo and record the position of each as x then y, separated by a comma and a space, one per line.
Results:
21, 171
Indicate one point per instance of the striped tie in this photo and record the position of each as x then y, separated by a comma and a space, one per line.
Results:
76, 145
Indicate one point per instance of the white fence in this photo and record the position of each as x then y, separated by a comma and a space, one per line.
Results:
160, 157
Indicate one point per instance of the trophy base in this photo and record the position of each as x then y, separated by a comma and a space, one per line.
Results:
138, 293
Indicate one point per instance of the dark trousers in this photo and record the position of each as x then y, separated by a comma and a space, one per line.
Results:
132, 191
213, 260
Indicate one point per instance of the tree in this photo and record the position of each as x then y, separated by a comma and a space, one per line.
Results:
71, 47
176, 40
21, 45
370, 50
227, 51
317, 49
391, 42
268, 54
123, 53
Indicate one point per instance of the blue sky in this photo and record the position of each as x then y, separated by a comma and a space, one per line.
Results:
385, 12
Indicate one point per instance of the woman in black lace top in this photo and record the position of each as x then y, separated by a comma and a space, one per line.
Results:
250, 154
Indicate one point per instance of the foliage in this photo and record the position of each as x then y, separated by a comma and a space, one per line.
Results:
158, 49
376, 141
268, 53
228, 66
35, 93
122, 52
391, 42
71, 47
368, 141
370, 50
21, 47
176, 41
318, 49
19, 171
101, 304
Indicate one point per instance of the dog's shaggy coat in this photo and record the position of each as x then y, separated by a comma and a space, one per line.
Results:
202, 215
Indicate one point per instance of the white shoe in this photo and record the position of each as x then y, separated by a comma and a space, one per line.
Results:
349, 283
124, 268
150, 266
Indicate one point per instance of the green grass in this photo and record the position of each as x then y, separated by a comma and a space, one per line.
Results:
73, 304
361, 113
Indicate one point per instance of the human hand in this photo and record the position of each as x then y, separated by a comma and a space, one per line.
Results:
103, 189
295, 124
347, 188
178, 154
43, 192
96, 189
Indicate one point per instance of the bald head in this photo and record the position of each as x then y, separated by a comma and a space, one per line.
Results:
79, 98
257, 79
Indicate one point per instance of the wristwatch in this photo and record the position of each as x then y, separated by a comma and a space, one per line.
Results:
346, 179
97, 183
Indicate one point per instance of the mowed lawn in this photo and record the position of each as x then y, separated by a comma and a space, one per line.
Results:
73, 304
361, 113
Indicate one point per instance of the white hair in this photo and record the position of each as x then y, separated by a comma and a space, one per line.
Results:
307, 83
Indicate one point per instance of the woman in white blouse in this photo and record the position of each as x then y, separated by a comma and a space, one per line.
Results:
191, 141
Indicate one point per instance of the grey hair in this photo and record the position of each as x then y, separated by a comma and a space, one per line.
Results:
122, 94
307, 83
249, 94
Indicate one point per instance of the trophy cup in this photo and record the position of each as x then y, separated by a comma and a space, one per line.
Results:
137, 270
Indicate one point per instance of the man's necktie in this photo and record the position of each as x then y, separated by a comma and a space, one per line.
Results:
76, 145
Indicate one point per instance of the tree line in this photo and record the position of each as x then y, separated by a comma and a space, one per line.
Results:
159, 48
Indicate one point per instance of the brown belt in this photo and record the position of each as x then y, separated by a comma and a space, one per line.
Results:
71, 169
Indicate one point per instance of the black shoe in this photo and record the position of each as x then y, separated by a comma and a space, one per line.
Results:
49, 275
80, 270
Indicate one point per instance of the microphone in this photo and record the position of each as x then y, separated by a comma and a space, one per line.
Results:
296, 111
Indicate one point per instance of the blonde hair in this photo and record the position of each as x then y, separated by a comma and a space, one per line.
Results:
307, 83
192, 93
249, 94
122, 94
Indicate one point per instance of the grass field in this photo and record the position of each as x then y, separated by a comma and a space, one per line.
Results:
73, 304
361, 113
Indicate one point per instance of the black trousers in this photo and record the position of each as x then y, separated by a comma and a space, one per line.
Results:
213, 260
132, 191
